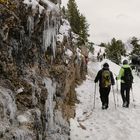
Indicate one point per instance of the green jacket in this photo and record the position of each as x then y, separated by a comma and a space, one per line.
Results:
121, 72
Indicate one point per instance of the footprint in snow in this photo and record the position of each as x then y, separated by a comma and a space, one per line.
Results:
86, 136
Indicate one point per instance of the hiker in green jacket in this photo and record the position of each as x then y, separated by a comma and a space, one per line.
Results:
126, 77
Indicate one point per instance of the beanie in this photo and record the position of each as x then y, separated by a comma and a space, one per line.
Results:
125, 62
105, 65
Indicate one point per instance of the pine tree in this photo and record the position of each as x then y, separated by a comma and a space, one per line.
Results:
84, 28
90, 47
114, 50
136, 49
73, 16
102, 44
78, 22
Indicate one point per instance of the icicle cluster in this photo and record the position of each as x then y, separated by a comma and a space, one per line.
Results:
30, 25
49, 33
51, 87
7, 103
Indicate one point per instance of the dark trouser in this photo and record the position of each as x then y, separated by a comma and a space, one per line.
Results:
125, 93
104, 95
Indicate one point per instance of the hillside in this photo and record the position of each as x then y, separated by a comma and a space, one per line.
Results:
40, 67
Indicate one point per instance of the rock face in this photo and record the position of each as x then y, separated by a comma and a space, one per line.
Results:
37, 75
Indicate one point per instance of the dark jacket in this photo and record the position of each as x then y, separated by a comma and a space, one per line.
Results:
99, 76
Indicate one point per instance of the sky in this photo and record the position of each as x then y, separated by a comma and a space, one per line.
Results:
112, 124
110, 18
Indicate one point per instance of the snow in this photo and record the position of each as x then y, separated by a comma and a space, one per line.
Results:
22, 119
34, 4
112, 124
98, 49
51, 5
128, 47
60, 38
69, 53
65, 28
20, 90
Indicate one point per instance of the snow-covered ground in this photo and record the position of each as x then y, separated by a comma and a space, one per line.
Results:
112, 124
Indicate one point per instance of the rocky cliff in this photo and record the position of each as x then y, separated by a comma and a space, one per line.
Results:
40, 67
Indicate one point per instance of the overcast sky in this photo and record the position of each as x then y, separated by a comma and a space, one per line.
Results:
111, 18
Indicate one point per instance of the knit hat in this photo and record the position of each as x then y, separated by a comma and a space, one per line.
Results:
105, 65
125, 62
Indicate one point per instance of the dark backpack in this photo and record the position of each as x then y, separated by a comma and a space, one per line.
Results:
106, 78
127, 78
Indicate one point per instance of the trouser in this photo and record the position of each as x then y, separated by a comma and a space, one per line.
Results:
125, 93
104, 95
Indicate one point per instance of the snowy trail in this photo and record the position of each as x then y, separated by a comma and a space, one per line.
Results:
111, 124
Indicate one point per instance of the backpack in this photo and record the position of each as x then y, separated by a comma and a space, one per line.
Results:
106, 78
127, 78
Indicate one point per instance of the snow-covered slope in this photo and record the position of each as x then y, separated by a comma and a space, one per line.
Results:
111, 124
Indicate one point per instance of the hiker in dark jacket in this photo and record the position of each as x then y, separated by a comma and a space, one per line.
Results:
125, 86
104, 90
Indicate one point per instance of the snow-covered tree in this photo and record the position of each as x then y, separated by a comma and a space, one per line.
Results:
135, 43
114, 50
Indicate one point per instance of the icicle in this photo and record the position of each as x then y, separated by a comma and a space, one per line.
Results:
46, 26
68, 41
21, 34
20, 134
54, 43
49, 34
34, 99
8, 103
30, 25
51, 87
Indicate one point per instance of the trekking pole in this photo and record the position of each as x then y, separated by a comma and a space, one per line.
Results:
117, 90
117, 93
94, 96
133, 97
114, 97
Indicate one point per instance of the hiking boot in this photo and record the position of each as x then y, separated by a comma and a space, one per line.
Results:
103, 107
106, 106
125, 104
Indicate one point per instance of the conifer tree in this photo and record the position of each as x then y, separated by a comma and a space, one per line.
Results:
136, 49
78, 22
73, 16
114, 50
84, 28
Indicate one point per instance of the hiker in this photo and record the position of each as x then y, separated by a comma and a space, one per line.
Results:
98, 56
86, 60
138, 70
104, 55
126, 77
106, 79
101, 57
